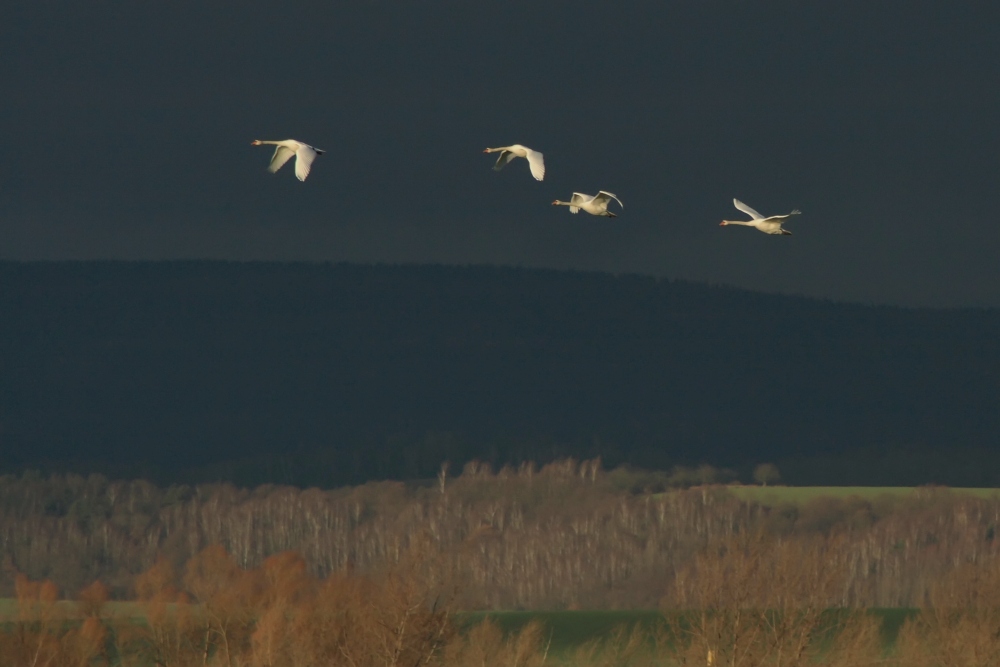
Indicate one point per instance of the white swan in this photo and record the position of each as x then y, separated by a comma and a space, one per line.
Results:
592, 204
535, 159
304, 155
768, 225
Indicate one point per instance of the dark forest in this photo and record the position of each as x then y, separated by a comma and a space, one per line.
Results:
330, 374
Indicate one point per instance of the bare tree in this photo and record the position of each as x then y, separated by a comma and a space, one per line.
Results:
959, 623
443, 476
755, 600
766, 473
486, 646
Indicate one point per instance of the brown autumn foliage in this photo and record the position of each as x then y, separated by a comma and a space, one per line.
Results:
279, 615
625, 647
486, 646
754, 600
565, 535
34, 635
959, 622
43, 634
746, 600
92, 599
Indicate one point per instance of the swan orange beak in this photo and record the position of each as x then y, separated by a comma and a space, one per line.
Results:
722, 224
486, 150
555, 203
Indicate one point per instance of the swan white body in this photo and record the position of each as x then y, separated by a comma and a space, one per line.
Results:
768, 225
304, 155
535, 159
592, 204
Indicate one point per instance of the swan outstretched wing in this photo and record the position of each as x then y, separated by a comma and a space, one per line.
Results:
746, 209
580, 198
785, 216
505, 157
281, 155
606, 197
537, 163
303, 161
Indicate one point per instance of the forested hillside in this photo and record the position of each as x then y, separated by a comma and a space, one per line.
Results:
319, 374
567, 535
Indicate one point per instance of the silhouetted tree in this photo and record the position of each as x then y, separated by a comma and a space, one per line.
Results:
766, 473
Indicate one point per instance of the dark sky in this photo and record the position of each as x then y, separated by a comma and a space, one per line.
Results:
127, 129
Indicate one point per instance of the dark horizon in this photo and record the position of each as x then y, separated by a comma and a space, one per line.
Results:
403, 264
342, 373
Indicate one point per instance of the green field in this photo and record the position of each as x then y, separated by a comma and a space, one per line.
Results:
115, 609
567, 630
564, 631
779, 495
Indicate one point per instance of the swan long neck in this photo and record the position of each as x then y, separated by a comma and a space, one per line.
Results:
559, 202
745, 223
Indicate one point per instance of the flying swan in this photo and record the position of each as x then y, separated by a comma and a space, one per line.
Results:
592, 204
507, 153
304, 155
768, 225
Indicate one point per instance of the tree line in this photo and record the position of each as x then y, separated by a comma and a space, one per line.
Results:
567, 535
747, 600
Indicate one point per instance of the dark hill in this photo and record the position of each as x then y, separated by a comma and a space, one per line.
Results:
318, 373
